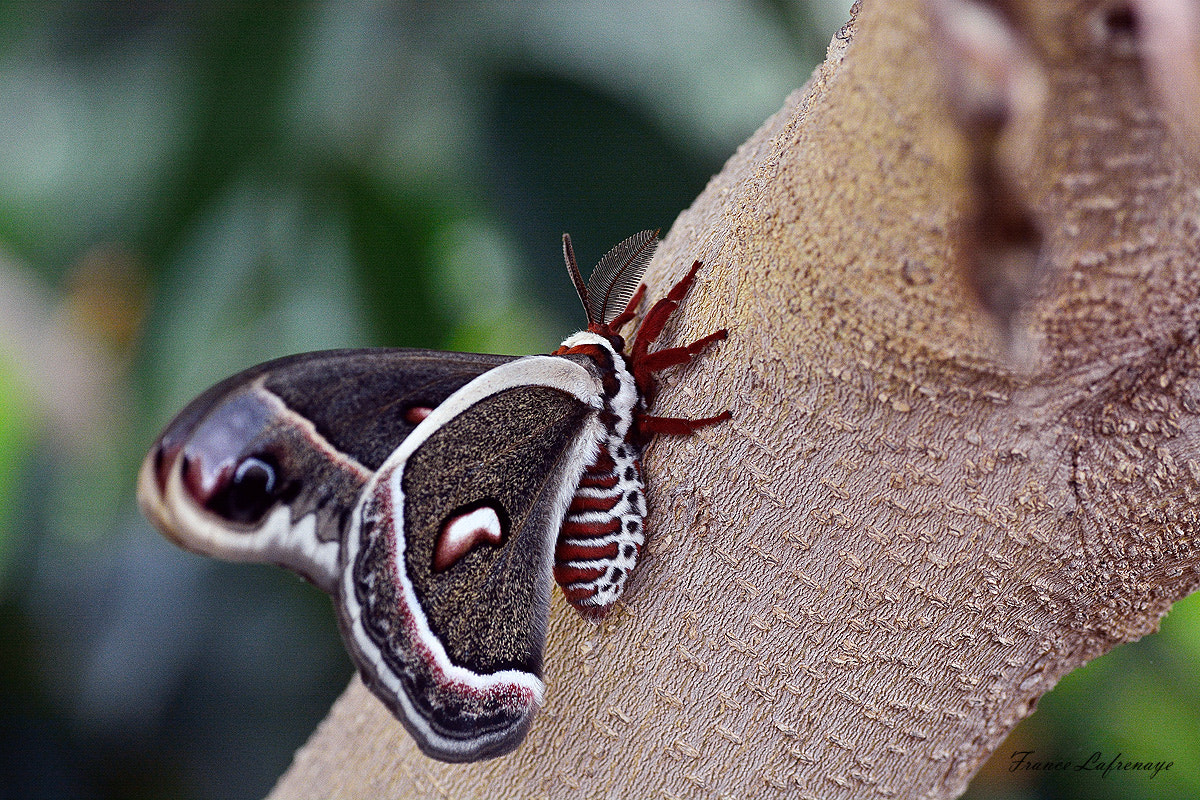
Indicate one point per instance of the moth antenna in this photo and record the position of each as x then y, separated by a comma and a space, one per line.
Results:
616, 277
576, 278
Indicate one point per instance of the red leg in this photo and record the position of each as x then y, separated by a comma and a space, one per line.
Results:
680, 289
675, 426
643, 364
656, 319
653, 323
661, 359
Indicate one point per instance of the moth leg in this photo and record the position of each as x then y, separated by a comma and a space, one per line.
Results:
643, 368
656, 319
661, 359
675, 426
645, 364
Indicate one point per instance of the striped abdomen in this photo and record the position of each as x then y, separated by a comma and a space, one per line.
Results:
602, 535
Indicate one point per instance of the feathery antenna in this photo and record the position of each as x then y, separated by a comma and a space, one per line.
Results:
573, 270
616, 277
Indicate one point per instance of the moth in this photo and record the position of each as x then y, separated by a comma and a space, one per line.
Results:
437, 497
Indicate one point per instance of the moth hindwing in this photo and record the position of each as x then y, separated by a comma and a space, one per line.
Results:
437, 497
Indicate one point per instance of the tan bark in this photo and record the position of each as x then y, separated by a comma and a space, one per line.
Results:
916, 523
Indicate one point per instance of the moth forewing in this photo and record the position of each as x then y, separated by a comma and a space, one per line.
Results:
404, 619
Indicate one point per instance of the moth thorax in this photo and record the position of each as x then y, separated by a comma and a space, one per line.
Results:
620, 394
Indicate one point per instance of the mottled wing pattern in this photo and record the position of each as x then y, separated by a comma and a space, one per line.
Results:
453, 642
268, 464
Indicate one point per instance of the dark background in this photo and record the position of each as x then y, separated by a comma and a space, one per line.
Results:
189, 188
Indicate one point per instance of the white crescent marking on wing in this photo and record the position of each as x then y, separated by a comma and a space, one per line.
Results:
461, 534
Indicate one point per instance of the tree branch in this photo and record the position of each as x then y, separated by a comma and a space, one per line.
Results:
911, 530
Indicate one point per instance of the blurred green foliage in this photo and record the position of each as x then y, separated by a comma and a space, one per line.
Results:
16, 440
1138, 703
199, 186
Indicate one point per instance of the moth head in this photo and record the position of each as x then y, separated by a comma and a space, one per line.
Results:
225, 477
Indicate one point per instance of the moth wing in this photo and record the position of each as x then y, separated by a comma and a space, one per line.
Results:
269, 464
450, 554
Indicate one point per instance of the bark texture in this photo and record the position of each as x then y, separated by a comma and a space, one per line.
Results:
936, 496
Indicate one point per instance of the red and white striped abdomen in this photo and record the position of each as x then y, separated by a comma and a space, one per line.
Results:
602, 533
